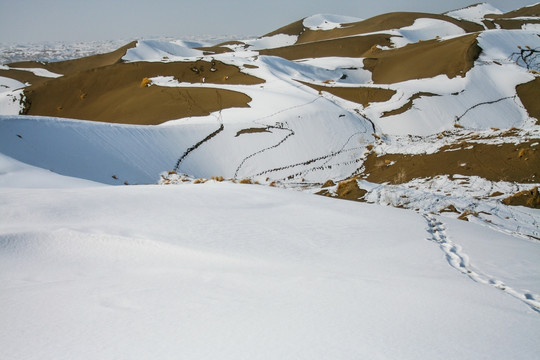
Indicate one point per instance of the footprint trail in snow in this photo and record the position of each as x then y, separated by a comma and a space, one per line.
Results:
460, 261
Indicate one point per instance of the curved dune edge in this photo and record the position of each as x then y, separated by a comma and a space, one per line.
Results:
359, 95
356, 46
294, 28
117, 94
23, 76
382, 22
74, 66
132, 105
526, 11
408, 105
425, 59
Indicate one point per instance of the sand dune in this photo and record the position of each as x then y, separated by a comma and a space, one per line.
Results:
347, 47
360, 95
76, 65
485, 88
508, 162
424, 59
114, 93
528, 11
529, 93
381, 23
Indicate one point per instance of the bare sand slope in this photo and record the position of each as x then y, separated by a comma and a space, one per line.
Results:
356, 46
424, 59
115, 93
23, 76
515, 19
382, 22
378, 23
360, 95
528, 11
529, 94
507, 162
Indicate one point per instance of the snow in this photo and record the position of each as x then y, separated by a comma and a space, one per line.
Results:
38, 72
10, 99
155, 50
15, 174
7, 84
425, 29
489, 88
503, 45
328, 21
219, 270
466, 193
243, 271
55, 51
531, 27
474, 13
272, 42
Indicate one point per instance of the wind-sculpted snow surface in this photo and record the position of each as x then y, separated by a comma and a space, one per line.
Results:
154, 50
327, 21
227, 271
475, 13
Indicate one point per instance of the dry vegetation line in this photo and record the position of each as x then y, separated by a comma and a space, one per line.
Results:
328, 157
460, 261
484, 103
207, 138
281, 127
291, 133
323, 166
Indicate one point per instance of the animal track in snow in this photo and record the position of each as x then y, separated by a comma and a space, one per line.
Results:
460, 261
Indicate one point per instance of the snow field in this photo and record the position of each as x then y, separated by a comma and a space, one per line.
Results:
241, 271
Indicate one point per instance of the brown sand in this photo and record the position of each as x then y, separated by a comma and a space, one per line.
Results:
114, 93
513, 24
524, 11
211, 50
251, 131
295, 28
408, 105
508, 21
23, 76
529, 198
424, 59
529, 93
382, 22
348, 47
349, 190
506, 162
360, 95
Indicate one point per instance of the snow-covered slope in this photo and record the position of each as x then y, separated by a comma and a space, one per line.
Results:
154, 50
475, 13
225, 271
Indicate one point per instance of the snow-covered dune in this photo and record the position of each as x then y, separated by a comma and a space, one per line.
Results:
225, 271
213, 244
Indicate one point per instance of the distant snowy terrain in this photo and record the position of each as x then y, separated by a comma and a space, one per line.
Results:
59, 51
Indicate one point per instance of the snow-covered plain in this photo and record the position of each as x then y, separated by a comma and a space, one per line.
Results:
229, 271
